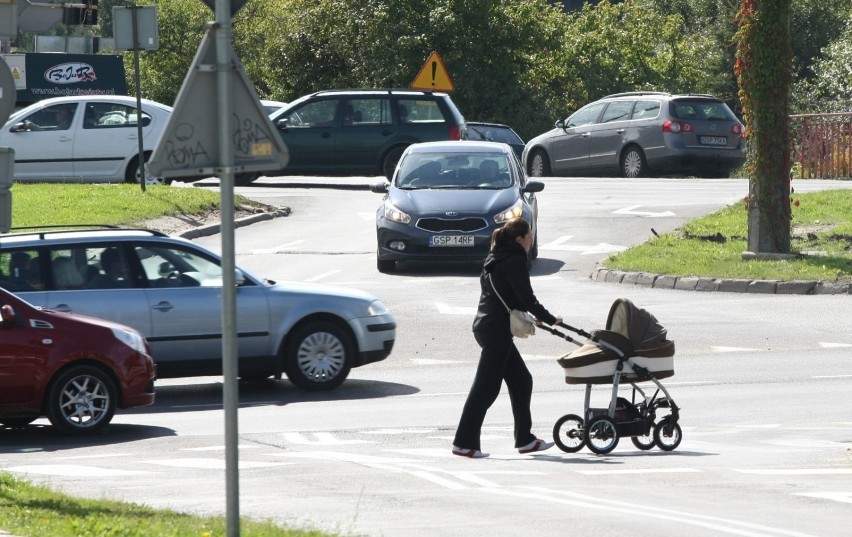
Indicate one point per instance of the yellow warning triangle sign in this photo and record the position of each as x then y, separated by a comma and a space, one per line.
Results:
433, 76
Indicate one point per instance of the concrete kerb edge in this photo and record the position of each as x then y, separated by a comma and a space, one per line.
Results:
212, 229
692, 283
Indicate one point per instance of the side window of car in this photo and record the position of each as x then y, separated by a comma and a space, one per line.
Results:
110, 115
419, 111
170, 266
68, 267
617, 111
585, 116
107, 268
372, 111
53, 118
646, 110
314, 114
20, 270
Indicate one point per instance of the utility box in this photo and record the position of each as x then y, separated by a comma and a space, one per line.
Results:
7, 173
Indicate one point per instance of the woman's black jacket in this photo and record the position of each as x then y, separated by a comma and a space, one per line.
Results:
507, 266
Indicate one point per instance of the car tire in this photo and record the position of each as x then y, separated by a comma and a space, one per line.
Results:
131, 175
390, 161
245, 179
534, 247
633, 163
539, 164
385, 266
318, 355
81, 400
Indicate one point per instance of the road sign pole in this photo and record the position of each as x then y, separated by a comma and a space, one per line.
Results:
138, 96
230, 393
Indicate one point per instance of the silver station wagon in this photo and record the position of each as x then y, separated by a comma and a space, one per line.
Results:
170, 290
642, 133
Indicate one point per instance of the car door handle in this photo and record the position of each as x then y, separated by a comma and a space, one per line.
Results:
64, 308
620, 131
164, 306
387, 132
326, 135
586, 134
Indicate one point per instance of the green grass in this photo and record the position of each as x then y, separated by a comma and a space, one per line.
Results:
113, 204
34, 511
821, 233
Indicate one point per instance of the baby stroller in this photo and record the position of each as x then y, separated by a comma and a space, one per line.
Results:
632, 349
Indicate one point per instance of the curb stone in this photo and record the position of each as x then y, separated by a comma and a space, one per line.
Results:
738, 285
212, 229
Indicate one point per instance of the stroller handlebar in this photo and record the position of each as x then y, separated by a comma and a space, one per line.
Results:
578, 331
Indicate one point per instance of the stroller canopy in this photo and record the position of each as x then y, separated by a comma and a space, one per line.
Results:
647, 337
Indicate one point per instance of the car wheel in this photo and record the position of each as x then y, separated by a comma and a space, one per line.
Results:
391, 160
385, 265
539, 164
245, 179
633, 163
318, 356
131, 175
81, 400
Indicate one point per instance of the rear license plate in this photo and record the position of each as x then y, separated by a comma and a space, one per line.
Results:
450, 240
713, 140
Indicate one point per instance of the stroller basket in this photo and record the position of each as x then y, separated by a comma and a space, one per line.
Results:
631, 332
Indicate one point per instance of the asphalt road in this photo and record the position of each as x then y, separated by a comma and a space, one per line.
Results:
764, 383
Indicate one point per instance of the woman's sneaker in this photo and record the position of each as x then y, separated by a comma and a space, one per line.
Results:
471, 453
536, 445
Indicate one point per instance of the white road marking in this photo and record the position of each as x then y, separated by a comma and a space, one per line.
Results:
211, 464
845, 497
828, 345
602, 247
718, 525
830, 376
324, 275
734, 349
446, 309
797, 471
68, 470
633, 212
432, 361
275, 249
640, 471
340, 456
322, 439
215, 448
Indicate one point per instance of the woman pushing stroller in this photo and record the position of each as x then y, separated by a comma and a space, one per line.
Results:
505, 284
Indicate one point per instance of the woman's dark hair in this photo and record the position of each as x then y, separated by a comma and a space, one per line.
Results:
511, 230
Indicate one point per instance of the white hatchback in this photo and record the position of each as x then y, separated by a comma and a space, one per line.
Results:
92, 138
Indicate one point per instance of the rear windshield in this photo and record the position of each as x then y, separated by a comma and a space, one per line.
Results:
701, 109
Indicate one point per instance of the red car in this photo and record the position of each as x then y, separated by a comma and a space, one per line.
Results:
74, 369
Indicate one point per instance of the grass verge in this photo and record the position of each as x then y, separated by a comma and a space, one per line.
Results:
712, 246
37, 204
35, 511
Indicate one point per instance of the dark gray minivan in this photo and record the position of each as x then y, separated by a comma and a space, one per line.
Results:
363, 131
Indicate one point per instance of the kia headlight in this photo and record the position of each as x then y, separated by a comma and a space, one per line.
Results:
517, 209
395, 215
131, 338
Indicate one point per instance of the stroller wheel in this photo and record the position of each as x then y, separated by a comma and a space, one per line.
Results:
601, 435
644, 442
667, 435
568, 433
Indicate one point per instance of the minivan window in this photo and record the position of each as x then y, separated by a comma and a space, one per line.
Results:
314, 114
646, 110
710, 110
419, 111
617, 111
367, 112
